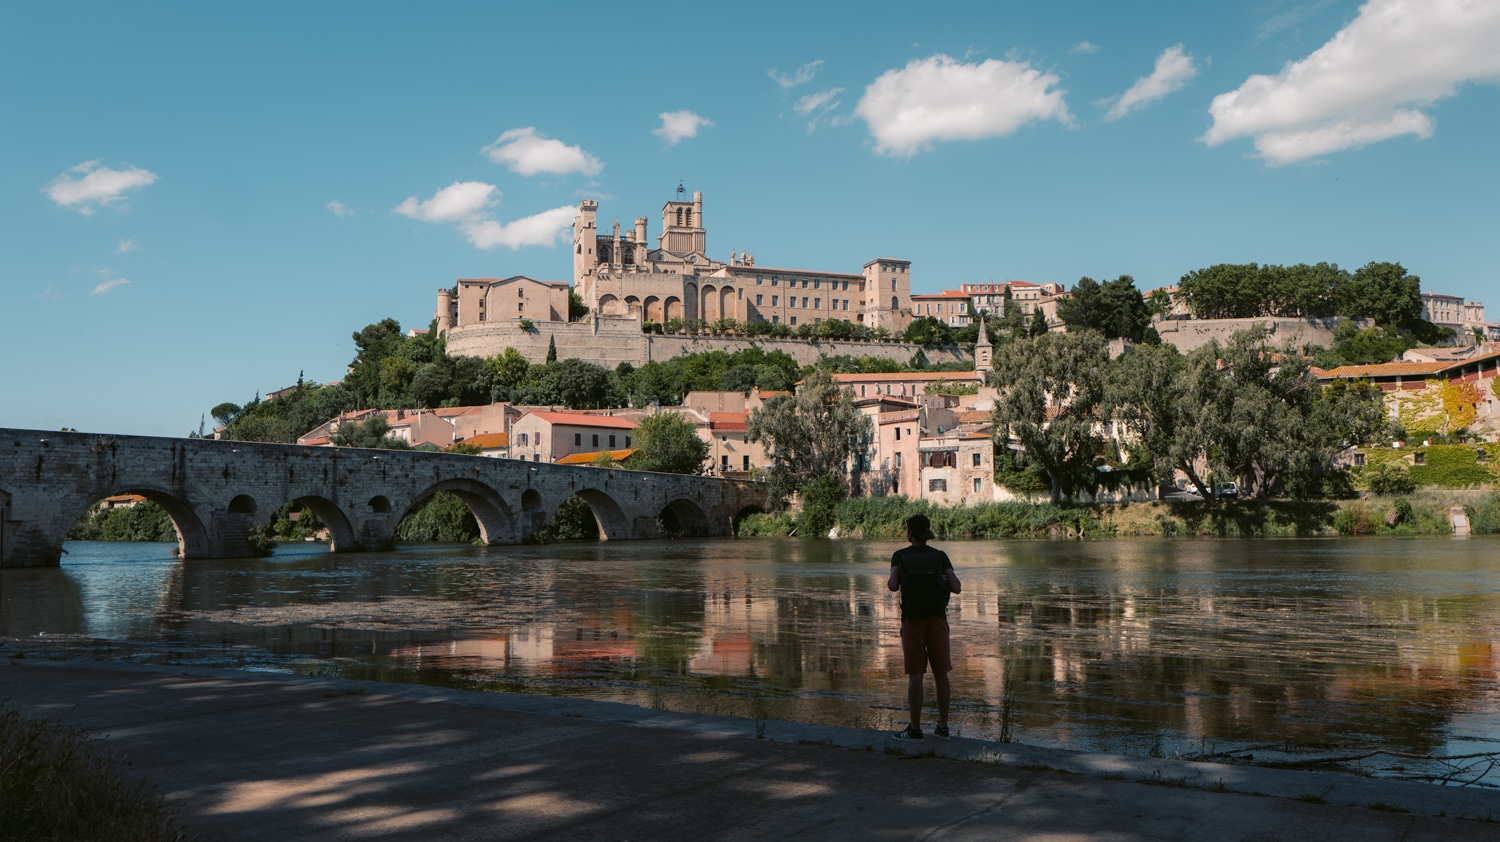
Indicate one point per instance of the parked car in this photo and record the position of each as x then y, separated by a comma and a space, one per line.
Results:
1227, 489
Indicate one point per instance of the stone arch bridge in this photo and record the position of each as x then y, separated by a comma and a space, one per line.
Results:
216, 492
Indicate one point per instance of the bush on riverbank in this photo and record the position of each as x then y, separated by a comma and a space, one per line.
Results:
1422, 513
55, 784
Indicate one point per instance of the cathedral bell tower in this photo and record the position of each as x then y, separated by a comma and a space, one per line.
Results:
682, 225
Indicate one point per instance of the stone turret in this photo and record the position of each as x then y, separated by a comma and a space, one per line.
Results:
983, 355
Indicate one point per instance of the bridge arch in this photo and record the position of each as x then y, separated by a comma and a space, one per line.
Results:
739, 516
193, 539
497, 523
613, 524
682, 518
341, 534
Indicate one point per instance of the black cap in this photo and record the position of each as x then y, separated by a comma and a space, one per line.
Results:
918, 526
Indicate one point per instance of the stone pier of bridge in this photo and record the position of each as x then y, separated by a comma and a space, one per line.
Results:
218, 492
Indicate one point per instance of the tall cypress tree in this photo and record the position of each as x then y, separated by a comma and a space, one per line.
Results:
552, 349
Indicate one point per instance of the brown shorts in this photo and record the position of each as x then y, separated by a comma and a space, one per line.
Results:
926, 639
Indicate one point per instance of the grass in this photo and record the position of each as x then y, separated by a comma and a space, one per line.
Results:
57, 784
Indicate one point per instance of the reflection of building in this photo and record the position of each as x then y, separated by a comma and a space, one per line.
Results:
621, 274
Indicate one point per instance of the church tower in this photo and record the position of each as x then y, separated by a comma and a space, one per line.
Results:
983, 355
585, 238
682, 225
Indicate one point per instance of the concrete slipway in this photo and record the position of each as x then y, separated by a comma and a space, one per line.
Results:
255, 756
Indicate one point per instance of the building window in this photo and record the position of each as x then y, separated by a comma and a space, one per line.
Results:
794, 320
1419, 458
759, 279
804, 283
596, 440
976, 483
523, 440
893, 283
746, 462
773, 280
817, 303
773, 300
758, 300
1482, 455
937, 485
898, 434
846, 303
804, 302
898, 460
1359, 460
775, 320
724, 462
627, 441
577, 440
611, 441
977, 458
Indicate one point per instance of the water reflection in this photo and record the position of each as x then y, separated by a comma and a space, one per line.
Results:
1135, 646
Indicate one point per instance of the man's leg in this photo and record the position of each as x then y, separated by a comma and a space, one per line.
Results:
943, 695
914, 698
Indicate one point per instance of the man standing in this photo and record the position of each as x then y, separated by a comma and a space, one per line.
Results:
925, 577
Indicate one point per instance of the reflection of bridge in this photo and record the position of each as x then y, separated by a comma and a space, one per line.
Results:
217, 491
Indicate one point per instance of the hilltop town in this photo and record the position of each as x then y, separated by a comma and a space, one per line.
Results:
569, 371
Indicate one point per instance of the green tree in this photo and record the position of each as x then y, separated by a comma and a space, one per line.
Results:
1386, 293
1143, 394
372, 432
1113, 308
808, 435
552, 349
1038, 326
1051, 406
577, 310
820, 499
668, 443
224, 413
928, 332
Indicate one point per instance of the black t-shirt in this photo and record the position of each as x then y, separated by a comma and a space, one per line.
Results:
920, 560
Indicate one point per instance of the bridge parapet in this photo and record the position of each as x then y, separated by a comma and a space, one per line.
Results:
216, 492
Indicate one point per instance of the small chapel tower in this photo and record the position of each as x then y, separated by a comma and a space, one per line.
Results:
983, 355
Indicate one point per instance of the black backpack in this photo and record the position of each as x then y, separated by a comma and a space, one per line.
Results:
924, 586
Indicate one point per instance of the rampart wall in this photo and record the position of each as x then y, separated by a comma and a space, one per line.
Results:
1191, 334
610, 342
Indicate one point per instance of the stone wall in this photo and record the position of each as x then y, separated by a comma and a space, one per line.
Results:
217, 491
1191, 334
610, 342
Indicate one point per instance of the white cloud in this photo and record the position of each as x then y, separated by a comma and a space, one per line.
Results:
1367, 84
105, 286
940, 98
94, 186
817, 101
339, 209
1084, 48
125, 245
676, 125
804, 74
541, 229
457, 202
466, 204
48, 294
527, 152
1174, 69
818, 106
1289, 19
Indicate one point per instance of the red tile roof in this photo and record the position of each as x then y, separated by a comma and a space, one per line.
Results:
726, 420
906, 377
488, 441
587, 458
581, 419
1386, 370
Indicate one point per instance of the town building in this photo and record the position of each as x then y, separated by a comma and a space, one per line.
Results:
1406, 384
622, 275
547, 436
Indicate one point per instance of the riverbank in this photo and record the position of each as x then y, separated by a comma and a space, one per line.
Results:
1425, 512
254, 756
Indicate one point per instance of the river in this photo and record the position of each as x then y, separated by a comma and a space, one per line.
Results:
1282, 649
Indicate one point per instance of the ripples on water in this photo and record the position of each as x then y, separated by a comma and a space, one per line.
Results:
1134, 646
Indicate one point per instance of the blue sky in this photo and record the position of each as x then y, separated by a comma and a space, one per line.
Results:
201, 200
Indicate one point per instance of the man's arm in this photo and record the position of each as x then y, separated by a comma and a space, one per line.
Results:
894, 583
953, 583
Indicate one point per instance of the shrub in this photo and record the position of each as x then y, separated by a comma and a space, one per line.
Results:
56, 784
765, 525
1388, 478
819, 500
